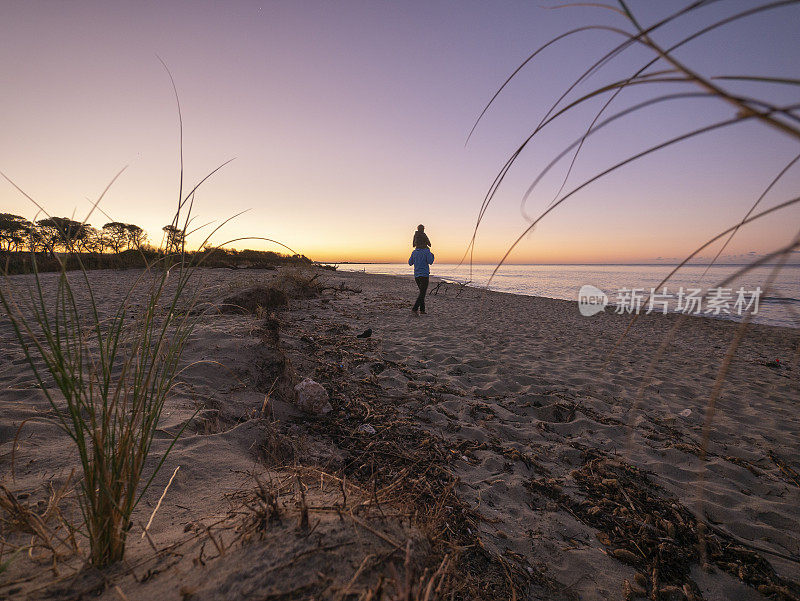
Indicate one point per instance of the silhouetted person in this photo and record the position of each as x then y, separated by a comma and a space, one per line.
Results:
421, 239
421, 259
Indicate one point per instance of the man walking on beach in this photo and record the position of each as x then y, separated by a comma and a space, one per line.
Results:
421, 259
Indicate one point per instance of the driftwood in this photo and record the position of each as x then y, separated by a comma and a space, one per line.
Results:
443, 287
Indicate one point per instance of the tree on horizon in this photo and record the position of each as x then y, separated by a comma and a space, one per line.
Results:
176, 238
136, 236
14, 231
116, 234
63, 232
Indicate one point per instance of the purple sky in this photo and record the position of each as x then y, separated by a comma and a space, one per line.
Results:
348, 122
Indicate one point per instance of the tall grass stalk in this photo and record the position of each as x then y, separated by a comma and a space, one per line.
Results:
663, 68
114, 374
114, 370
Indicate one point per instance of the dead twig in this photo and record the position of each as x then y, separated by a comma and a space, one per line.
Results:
161, 498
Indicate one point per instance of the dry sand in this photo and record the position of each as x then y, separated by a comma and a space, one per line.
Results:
502, 433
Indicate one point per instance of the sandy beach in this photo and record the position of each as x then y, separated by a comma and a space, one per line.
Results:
497, 447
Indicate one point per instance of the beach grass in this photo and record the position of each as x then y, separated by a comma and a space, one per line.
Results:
108, 374
106, 377
663, 70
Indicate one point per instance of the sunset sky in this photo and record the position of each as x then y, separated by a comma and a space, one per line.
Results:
348, 121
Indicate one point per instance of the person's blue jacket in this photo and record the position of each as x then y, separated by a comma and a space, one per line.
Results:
421, 258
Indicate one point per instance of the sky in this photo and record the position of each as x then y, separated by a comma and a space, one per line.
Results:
347, 122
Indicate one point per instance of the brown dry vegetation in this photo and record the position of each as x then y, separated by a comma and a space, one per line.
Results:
322, 513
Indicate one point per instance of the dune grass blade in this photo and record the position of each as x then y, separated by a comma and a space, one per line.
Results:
113, 374
114, 370
640, 37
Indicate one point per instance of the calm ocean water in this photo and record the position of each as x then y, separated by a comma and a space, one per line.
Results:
780, 305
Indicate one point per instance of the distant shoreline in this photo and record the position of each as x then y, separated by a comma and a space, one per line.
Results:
609, 312
764, 317
567, 264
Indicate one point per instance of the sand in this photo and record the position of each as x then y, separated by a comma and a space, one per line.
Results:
547, 447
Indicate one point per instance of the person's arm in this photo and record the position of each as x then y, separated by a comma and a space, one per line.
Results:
411, 259
430, 258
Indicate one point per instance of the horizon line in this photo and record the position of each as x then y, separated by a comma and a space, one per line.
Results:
664, 264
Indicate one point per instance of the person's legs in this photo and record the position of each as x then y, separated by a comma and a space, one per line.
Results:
420, 296
422, 284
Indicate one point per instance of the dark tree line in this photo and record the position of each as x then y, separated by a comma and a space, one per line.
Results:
62, 243
64, 234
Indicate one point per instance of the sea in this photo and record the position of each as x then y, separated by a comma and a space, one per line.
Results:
772, 296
